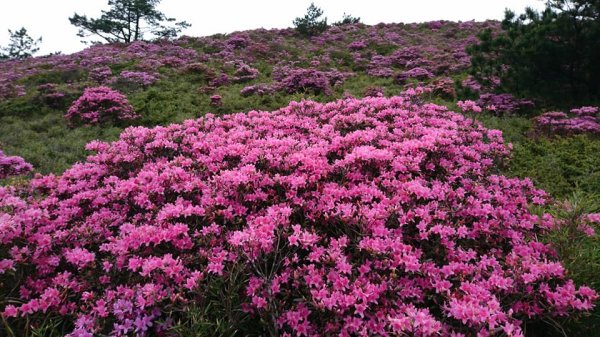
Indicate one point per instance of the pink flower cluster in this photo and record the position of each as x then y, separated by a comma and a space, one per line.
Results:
244, 73
99, 105
469, 106
291, 80
504, 103
443, 87
378, 216
10, 90
100, 75
12, 166
414, 73
579, 120
139, 77
373, 91
260, 89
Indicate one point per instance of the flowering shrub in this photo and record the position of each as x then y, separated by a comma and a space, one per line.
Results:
98, 105
50, 95
100, 75
293, 80
200, 69
472, 84
260, 89
139, 77
245, 73
220, 80
373, 91
579, 120
469, 106
377, 216
380, 66
443, 87
216, 100
9, 90
12, 166
504, 103
357, 45
414, 73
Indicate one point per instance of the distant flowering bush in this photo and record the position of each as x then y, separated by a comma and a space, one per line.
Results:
9, 90
579, 120
469, 106
504, 103
357, 45
50, 95
245, 73
200, 69
435, 25
139, 77
378, 216
443, 87
472, 84
414, 73
216, 100
237, 41
219, 80
98, 105
313, 80
373, 91
380, 66
100, 75
380, 72
401, 57
260, 89
12, 166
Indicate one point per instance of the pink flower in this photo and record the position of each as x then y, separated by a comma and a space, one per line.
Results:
98, 105
469, 106
10, 311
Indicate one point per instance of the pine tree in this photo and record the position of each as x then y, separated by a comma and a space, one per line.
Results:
21, 45
128, 21
310, 24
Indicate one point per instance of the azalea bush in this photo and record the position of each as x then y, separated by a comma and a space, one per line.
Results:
50, 95
13, 166
291, 80
578, 121
414, 73
380, 216
99, 105
139, 77
505, 103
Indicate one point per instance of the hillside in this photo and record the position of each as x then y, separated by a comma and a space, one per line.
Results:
174, 80
370, 123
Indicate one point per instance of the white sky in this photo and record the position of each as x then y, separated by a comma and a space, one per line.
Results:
49, 18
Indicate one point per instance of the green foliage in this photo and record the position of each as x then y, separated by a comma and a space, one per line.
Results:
559, 166
310, 24
383, 49
56, 76
218, 311
347, 19
47, 142
45, 326
127, 21
552, 55
21, 45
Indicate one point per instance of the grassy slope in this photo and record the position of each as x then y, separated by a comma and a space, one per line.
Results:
567, 168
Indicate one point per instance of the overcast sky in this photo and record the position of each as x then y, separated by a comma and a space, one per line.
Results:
49, 18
